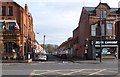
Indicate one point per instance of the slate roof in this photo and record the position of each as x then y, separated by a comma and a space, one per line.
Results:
91, 10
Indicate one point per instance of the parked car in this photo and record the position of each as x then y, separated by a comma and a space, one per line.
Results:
63, 56
42, 57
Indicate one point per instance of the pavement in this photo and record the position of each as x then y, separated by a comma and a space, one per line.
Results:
97, 61
105, 59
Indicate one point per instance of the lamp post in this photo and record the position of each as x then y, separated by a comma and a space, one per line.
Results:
100, 32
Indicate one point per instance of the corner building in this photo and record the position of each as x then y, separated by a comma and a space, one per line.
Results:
87, 35
16, 30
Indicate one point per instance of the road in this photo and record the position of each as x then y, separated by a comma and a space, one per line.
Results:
56, 66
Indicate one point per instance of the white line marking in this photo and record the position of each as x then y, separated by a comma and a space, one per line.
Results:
97, 72
113, 71
69, 70
32, 73
50, 71
74, 72
46, 71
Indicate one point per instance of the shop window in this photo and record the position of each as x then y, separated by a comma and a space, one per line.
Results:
5, 47
9, 47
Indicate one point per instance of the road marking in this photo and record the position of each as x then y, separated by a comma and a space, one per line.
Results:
34, 64
32, 73
74, 72
50, 71
95, 73
70, 72
113, 71
46, 71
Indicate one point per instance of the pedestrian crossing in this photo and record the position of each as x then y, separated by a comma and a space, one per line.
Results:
75, 72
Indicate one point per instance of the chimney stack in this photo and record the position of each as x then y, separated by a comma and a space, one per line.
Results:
26, 8
118, 8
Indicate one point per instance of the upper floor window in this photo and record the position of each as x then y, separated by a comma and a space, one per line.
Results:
11, 26
102, 29
10, 10
93, 30
109, 29
3, 10
105, 14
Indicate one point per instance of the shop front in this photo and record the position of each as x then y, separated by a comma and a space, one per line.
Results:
10, 47
109, 47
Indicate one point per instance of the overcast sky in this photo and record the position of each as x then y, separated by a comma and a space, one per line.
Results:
58, 18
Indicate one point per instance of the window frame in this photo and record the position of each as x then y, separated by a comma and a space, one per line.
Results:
3, 10
111, 29
103, 30
93, 30
10, 11
11, 28
105, 13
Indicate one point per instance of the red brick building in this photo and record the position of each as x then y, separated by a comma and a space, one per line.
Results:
118, 36
66, 47
16, 25
87, 35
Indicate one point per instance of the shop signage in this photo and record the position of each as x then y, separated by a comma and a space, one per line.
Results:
106, 42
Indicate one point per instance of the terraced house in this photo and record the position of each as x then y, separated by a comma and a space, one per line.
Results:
16, 30
98, 27
89, 31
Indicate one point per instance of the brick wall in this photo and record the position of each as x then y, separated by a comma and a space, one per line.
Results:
25, 22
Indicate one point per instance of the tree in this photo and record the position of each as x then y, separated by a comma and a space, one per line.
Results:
50, 47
